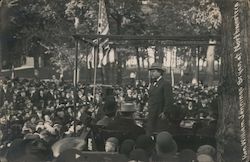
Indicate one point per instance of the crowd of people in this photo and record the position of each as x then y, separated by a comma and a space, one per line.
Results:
111, 120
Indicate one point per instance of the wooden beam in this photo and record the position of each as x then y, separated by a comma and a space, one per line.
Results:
145, 37
164, 44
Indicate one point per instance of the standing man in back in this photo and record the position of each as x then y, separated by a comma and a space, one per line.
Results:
160, 101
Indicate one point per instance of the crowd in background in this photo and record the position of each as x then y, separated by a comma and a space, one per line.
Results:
36, 109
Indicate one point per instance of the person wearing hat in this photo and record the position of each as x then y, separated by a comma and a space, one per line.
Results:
166, 148
127, 146
160, 100
125, 123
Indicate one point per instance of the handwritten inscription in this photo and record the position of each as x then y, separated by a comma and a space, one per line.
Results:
237, 49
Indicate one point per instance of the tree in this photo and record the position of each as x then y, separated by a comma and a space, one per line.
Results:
192, 17
127, 18
166, 18
206, 17
83, 15
64, 58
29, 22
234, 82
43, 25
5, 19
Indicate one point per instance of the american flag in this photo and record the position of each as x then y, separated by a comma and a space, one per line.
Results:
103, 25
103, 29
104, 56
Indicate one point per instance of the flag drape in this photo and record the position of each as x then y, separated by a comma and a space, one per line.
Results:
105, 53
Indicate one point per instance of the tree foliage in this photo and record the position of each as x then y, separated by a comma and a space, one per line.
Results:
181, 17
86, 11
54, 22
205, 16
127, 15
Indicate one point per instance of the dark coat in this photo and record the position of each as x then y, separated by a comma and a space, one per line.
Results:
8, 95
160, 100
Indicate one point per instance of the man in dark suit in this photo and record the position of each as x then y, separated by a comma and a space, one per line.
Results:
160, 100
5, 93
125, 125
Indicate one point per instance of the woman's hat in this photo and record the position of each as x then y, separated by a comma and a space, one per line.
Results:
156, 66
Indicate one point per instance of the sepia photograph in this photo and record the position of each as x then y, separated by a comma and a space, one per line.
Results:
124, 80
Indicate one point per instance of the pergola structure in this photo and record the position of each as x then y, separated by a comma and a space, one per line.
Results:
115, 41
141, 41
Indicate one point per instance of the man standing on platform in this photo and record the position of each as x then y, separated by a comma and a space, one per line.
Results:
160, 101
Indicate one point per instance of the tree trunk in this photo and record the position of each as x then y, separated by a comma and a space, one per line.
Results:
3, 23
36, 66
148, 59
1, 52
103, 74
119, 56
112, 68
227, 92
143, 63
86, 67
90, 75
124, 61
107, 72
119, 70
138, 63
210, 62
246, 37
77, 75
159, 54
231, 135
194, 70
61, 72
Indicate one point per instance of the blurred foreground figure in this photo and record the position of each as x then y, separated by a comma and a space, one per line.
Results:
68, 143
166, 148
29, 150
